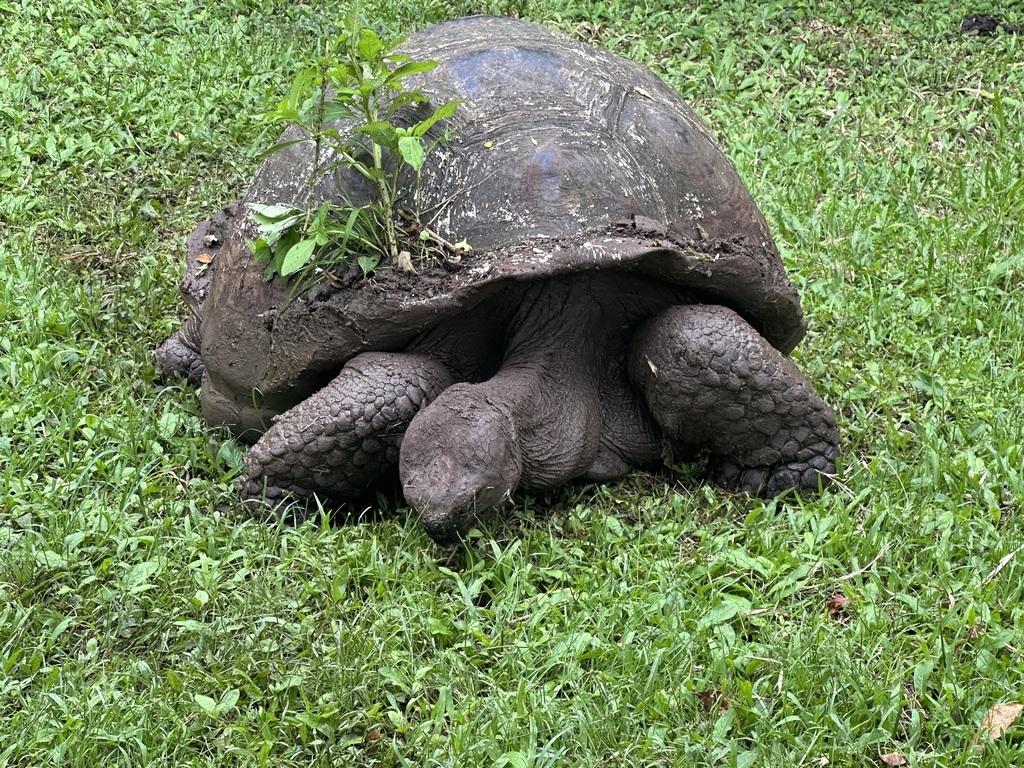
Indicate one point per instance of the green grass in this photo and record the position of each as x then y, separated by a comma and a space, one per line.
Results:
145, 620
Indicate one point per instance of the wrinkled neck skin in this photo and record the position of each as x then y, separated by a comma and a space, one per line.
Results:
542, 419
549, 383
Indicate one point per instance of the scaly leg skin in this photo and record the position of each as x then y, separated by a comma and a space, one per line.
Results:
178, 355
711, 381
341, 439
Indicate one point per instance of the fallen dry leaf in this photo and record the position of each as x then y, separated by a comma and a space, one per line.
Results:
712, 700
999, 718
970, 634
405, 262
334, 281
371, 739
204, 258
893, 758
836, 605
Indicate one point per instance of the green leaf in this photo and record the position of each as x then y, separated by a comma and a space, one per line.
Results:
373, 83
274, 233
230, 452
352, 21
337, 110
447, 110
411, 149
333, 138
283, 113
374, 174
405, 97
724, 723
192, 626
318, 227
137, 578
271, 212
442, 112
288, 239
208, 705
282, 145
336, 77
309, 110
300, 87
228, 701
369, 46
382, 133
261, 252
728, 608
311, 720
368, 262
922, 671
353, 218
274, 222
513, 760
297, 257
411, 68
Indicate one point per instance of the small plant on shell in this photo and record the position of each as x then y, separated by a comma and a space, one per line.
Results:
358, 79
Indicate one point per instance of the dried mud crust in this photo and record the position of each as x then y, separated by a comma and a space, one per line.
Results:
439, 277
732, 272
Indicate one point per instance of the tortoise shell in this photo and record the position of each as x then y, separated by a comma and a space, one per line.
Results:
561, 158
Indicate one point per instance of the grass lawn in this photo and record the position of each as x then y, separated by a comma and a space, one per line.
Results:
146, 621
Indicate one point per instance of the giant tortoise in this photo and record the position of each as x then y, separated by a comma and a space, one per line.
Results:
625, 305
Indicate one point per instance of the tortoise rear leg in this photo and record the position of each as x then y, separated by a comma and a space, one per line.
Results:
711, 381
342, 439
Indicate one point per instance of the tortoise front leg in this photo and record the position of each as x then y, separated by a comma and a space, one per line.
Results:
342, 439
711, 381
178, 355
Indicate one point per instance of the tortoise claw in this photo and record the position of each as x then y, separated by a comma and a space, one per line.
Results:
769, 482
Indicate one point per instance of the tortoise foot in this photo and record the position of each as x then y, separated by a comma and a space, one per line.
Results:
769, 482
344, 438
292, 504
178, 356
712, 382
